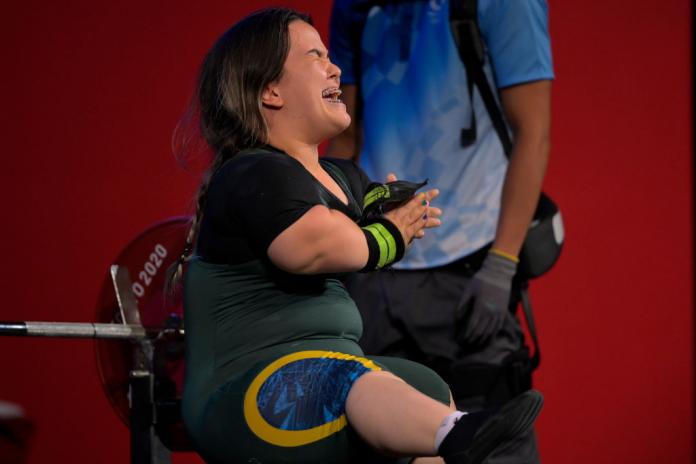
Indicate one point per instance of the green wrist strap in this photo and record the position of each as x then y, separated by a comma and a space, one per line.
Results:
384, 242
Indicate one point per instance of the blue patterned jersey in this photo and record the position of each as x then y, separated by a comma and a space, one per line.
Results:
415, 103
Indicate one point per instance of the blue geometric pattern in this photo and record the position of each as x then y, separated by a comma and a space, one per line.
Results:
308, 393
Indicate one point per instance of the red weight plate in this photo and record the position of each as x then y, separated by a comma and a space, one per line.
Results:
147, 258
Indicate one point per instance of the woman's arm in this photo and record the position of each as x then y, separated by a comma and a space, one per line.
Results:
326, 241
322, 240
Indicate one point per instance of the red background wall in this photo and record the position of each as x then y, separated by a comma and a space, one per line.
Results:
92, 90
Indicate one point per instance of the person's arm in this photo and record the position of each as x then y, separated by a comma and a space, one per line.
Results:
486, 298
275, 203
517, 40
347, 143
322, 240
326, 241
528, 111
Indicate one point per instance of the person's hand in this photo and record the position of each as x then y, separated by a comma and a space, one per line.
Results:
484, 305
416, 215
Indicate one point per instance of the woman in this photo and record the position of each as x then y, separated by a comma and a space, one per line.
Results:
274, 372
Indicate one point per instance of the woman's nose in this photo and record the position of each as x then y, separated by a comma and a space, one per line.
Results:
334, 71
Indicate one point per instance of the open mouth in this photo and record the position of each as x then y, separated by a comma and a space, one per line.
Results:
332, 95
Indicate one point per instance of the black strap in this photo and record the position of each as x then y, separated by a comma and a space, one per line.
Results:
354, 199
529, 316
338, 176
467, 37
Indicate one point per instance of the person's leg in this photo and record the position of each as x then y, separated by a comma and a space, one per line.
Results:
424, 380
436, 459
497, 354
392, 416
396, 419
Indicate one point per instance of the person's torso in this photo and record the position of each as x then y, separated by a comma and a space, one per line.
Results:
237, 303
415, 104
234, 312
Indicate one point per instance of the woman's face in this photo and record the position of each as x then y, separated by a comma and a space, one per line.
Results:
309, 87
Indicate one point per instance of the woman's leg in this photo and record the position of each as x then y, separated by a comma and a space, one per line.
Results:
397, 419
394, 417
435, 460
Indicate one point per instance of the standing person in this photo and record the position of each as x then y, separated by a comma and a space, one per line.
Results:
450, 303
274, 373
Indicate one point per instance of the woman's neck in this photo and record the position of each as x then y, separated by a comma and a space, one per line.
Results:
307, 154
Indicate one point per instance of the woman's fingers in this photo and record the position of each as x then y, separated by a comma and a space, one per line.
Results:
423, 200
433, 217
421, 205
434, 212
432, 194
418, 208
432, 222
416, 215
430, 217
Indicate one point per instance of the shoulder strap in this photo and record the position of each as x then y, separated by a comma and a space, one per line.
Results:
467, 37
335, 171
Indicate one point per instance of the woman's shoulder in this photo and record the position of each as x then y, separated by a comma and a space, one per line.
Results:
259, 158
255, 164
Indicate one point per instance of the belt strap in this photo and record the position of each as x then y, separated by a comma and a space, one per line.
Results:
529, 317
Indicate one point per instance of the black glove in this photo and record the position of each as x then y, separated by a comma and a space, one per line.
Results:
483, 307
380, 198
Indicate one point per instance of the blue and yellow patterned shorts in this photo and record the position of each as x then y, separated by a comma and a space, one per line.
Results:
301, 397
292, 410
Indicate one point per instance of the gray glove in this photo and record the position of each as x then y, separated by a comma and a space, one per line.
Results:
483, 307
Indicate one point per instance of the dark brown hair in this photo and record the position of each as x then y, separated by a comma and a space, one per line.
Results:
241, 64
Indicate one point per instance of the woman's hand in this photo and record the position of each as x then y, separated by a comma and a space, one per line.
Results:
416, 215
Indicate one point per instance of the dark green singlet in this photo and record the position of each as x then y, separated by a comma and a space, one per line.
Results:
271, 356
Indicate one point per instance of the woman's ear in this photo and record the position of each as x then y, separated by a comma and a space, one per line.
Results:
270, 98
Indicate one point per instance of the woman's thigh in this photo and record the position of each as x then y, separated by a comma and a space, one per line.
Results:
292, 410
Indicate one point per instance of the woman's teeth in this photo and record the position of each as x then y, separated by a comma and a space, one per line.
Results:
332, 95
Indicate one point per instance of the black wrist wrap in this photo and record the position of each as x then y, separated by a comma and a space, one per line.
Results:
384, 242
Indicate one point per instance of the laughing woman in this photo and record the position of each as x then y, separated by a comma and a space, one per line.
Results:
274, 371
